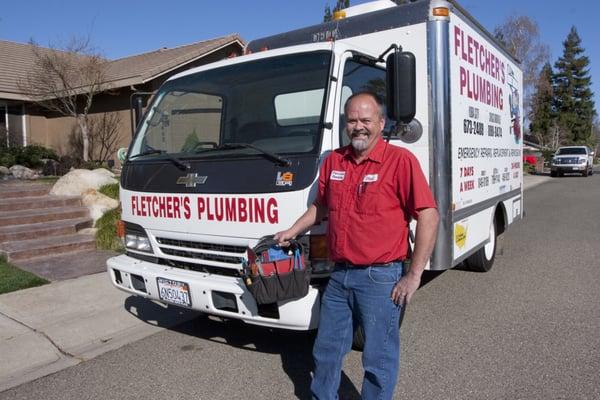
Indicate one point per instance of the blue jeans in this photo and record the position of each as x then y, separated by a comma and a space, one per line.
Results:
359, 296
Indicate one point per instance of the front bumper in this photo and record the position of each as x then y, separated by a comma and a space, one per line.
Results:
568, 168
139, 278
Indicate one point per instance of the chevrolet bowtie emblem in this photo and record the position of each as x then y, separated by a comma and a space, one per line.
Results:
191, 180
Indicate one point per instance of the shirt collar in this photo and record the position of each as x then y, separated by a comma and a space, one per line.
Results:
375, 155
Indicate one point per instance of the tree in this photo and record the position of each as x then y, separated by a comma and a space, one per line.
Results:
573, 95
65, 82
542, 114
521, 37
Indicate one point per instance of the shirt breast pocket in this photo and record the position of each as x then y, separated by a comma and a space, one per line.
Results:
371, 199
336, 195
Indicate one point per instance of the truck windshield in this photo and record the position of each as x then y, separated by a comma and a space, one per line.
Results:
570, 150
274, 105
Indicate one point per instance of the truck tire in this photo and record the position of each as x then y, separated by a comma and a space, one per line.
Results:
483, 259
553, 174
585, 173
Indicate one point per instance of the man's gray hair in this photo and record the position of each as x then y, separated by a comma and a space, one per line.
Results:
371, 94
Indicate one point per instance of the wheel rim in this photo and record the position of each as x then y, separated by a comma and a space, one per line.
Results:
490, 248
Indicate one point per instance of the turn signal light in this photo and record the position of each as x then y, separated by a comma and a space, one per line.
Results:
121, 229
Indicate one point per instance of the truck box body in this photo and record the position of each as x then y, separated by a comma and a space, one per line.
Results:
190, 220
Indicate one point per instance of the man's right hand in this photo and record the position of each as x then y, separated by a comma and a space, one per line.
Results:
283, 237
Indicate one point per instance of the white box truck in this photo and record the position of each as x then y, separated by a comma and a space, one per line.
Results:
229, 152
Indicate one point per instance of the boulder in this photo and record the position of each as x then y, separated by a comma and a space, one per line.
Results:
97, 203
21, 172
4, 171
76, 182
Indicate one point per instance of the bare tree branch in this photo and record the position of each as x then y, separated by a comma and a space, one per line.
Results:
66, 81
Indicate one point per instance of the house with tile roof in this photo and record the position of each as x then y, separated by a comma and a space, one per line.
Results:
22, 122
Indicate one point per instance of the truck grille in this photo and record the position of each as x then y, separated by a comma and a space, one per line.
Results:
568, 160
202, 256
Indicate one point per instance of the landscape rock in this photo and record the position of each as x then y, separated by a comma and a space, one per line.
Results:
76, 182
21, 172
4, 171
97, 203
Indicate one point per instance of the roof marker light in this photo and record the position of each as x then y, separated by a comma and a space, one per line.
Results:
441, 12
339, 14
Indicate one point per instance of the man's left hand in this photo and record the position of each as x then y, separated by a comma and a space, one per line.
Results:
405, 288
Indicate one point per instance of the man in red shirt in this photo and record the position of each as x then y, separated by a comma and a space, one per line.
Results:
370, 190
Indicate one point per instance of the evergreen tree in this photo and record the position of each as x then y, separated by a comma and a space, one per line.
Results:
572, 92
328, 16
542, 114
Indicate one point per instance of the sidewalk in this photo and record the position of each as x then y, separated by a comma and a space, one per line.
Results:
48, 328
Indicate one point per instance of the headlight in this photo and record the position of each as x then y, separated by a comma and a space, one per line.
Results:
138, 242
582, 160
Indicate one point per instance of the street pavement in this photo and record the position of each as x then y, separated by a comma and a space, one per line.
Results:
48, 328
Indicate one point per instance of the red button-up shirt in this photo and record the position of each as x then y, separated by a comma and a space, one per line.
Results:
371, 203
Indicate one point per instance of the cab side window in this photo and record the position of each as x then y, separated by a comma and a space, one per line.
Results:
359, 77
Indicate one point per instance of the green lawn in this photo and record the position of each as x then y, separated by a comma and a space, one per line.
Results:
12, 278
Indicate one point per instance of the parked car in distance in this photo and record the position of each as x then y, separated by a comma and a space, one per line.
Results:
572, 159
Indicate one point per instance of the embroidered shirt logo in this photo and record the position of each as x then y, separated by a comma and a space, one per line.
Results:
371, 178
337, 175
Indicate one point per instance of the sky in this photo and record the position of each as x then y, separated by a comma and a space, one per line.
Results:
123, 28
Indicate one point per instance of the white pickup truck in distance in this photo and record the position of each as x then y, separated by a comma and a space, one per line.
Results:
572, 159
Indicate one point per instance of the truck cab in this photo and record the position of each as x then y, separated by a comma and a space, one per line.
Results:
572, 159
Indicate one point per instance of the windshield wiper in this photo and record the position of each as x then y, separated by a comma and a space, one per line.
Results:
271, 156
151, 151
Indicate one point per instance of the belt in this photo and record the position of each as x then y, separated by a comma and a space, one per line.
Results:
350, 265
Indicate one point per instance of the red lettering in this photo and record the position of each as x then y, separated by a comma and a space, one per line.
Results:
201, 205
209, 215
134, 209
259, 208
230, 209
463, 80
176, 210
272, 212
243, 214
187, 212
219, 209
456, 39
155, 210
163, 206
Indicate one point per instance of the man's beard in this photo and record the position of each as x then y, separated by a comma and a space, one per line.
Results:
360, 143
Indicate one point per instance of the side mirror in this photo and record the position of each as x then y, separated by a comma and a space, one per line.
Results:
401, 86
122, 154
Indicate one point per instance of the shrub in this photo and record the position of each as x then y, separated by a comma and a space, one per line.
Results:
111, 190
106, 235
29, 156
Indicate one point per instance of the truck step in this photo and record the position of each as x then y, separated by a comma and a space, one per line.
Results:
43, 229
37, 248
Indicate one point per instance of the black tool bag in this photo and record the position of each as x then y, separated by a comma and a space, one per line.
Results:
274, 273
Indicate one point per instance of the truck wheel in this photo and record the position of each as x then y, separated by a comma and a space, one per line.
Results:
585, 173
483, 259
553, 174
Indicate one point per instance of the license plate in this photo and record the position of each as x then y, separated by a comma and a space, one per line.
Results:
174, 292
